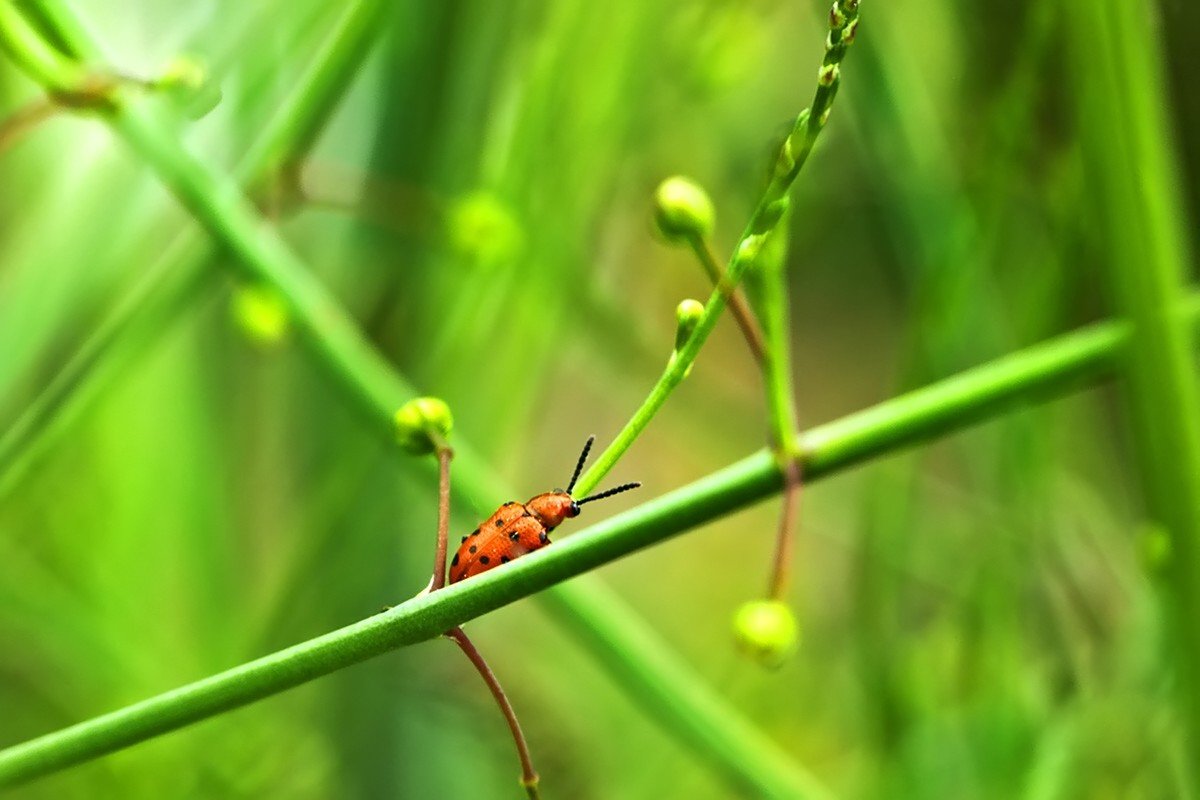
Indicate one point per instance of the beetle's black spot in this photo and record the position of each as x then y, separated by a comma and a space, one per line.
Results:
465, 538
544, 538
484, 560
473, 549
504, 559
474, 532
454, 561
499, 523
510, 503
515, 536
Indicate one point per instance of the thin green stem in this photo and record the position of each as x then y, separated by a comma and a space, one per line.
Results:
529, 776
737, 302
1035, 374
771, 280
26, 47
767, 214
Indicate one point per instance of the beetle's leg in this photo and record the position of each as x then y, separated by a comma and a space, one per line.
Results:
529, 776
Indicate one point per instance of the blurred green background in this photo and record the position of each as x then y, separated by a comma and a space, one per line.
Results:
980, 616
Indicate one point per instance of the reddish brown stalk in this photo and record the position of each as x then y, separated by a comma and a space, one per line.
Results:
24, 118
529, 776
444, 455
735, 299
781, 568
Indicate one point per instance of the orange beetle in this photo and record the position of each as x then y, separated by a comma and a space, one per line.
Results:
519, 528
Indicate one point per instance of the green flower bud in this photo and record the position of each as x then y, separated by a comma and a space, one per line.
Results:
766, 630
419, 420
748, 251
484, 229
682, 210
687, 317
185, 81
260, 313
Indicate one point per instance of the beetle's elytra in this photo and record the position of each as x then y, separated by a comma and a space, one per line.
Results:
519, 528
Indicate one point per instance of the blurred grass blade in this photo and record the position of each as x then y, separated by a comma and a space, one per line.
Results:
1132, 160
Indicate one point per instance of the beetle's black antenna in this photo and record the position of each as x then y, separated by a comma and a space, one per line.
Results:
622, 488
579, 467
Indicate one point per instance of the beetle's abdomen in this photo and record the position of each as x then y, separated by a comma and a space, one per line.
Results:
509, 533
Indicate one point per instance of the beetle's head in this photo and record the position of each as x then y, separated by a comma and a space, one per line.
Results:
553, 507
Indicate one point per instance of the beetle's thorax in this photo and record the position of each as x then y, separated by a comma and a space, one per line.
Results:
551, 508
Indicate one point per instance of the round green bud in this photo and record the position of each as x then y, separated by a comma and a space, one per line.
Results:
419, 420
687, 317
260, 313
483, 228
186, 82
682, 210
766, 630
748, 251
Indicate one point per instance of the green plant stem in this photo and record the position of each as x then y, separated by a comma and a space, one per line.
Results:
1034, 374
1118, 59
58, 74
765, 219
781, 404
737, 302
375, 389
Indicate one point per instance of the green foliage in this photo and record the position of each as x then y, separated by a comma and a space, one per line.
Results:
460, 211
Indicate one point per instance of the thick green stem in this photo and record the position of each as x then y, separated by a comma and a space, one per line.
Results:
1146, 227
1037, 373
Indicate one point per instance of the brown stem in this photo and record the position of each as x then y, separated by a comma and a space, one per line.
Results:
444, 454
529, 776
781, 568
735, 299
25, 118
